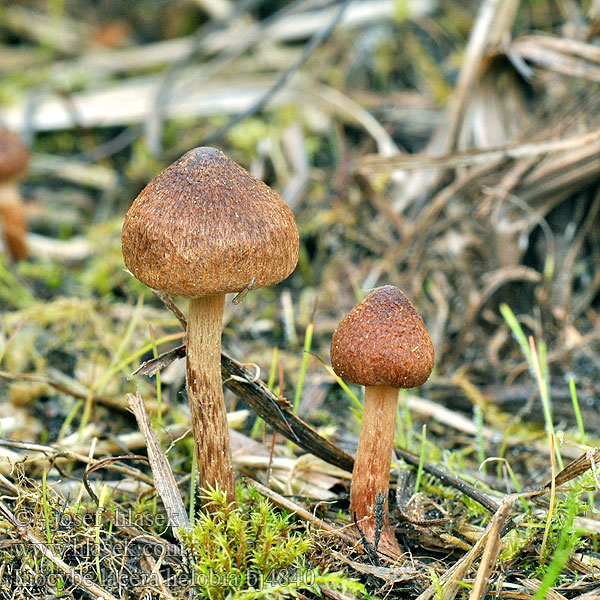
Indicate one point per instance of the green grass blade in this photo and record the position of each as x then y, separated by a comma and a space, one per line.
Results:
158, 389
306, 355
577, 410
421, 458
566, 543
517, 331
99, 386
270, 384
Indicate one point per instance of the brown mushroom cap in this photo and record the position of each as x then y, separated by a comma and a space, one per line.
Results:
383, 341
14, 156
205, 226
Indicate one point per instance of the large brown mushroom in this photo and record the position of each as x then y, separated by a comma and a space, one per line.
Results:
14, 162
382, 344
202, 228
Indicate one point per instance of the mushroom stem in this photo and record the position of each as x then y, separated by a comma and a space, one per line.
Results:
371, 472
14, 221
205, 394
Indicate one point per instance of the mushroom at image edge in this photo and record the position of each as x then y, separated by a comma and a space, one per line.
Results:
202, 228
382, 344
14, 162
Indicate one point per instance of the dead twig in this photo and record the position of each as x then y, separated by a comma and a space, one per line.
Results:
276, 411
450, 480
374, 163
491, 550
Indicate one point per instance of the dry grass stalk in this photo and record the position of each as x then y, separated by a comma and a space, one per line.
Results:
164, 480
491, 550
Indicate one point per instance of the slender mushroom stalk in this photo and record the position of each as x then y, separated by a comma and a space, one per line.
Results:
371, 473
382, 343
202, 228
205, 392
14, 161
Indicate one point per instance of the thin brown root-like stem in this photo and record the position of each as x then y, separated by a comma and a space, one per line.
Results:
371, 474
205, 394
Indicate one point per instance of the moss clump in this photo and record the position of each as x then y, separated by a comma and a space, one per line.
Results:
253, 550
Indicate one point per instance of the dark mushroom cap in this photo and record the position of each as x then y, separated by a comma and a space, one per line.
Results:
383, 341
205, 226
14, 156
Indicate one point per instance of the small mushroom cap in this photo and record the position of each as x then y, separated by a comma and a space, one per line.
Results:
383, 341
205, 226
14, 156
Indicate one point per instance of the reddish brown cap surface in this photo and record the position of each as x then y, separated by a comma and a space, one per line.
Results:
383, 341
14, 156
205, 226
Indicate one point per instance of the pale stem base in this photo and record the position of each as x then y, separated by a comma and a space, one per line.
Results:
371, 472
205, 394
14, 220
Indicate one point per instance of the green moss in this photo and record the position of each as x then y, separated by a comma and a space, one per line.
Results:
253, 550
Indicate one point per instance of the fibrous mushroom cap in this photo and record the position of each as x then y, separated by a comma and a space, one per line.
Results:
206, 226
383, 341
14, 156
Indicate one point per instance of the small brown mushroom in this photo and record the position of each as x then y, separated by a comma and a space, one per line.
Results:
383, 344
202, 228
14, 162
